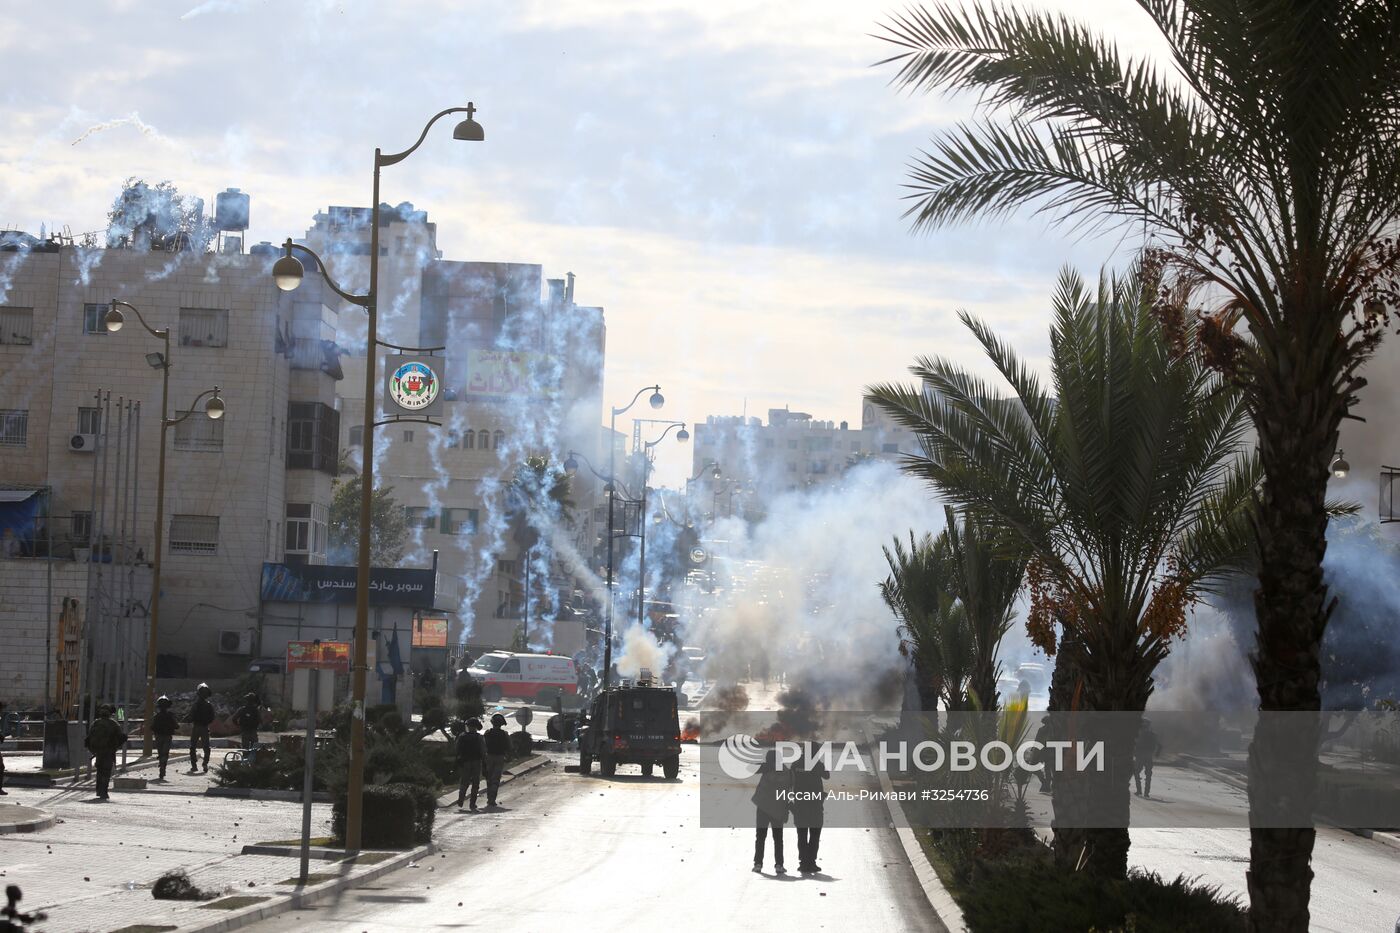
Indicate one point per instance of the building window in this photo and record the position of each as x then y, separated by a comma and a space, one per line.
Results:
94, 319
199, 432
89, 421
454, 440
14, 427
408, 437
469, 440
194, 534
459, 521
890, 448
17, 326
497, 438
203, 327
506, 568
313, 437
768, 442
420, 516
306, 529
357, 436
80, 527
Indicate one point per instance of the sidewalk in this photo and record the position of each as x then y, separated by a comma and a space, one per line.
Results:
93, 868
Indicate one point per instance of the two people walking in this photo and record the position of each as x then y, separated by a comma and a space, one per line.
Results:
479, 755
798, 791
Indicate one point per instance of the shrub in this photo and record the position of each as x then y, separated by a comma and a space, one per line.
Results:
1029, 894
389, 817
283, 771
425, 811
468, 693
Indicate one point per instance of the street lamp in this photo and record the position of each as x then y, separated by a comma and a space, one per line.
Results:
656, 400
681, 436
287, 274
214, 408
1340, 467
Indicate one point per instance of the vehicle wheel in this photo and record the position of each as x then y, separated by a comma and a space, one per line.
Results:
607, 765
585, 763
646, 769
491, 693
671, 767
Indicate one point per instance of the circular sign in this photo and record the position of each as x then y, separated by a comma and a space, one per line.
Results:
698, 555
413, 386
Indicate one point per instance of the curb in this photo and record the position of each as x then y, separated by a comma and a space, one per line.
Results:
259, 793
528, 766
946, 912
29, 826
311, 895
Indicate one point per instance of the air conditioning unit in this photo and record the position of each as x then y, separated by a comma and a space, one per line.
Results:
83, 443
235, 641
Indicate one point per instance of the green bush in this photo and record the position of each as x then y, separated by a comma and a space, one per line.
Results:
389, 821
283, 771
425, 811
468, 693
1029, 894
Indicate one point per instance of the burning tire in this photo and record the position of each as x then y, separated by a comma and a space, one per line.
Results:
671, 767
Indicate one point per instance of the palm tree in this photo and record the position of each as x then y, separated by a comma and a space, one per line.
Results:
988, 578
1263, 154
933, 630
1121, 485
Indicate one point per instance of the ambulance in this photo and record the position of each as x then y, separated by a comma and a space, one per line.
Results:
539, 678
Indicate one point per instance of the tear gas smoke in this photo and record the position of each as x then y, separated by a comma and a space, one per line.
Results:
641, 650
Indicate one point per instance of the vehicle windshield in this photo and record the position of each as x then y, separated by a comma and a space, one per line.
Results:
490, 662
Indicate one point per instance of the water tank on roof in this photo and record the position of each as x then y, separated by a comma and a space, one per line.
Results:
231, 210
264, 249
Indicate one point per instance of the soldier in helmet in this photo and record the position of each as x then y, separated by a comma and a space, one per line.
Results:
247, 719
497, 742
201, 716
104, 738
164, 725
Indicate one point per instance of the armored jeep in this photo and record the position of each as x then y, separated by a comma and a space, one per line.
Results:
632, 723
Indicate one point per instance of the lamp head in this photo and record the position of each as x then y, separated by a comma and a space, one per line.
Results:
571, 466
214, 408
113, 320
469, 130
156, 360
682, 436
287, 272
1340, 467
657, 399
715, 471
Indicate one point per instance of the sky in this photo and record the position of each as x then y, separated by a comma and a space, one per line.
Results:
724, 178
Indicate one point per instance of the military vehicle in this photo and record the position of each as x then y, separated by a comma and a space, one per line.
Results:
632, 723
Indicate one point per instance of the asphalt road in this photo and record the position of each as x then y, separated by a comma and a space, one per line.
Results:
592, 854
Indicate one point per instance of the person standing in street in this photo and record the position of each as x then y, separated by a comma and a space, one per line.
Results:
247, 719
164, 725
770, 810
201, 717
104, 738
471, 754
808, 807
497, 742
1144, 755
4, 734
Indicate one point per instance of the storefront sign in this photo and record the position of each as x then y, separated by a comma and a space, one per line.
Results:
326, 656
430, 632
324, 583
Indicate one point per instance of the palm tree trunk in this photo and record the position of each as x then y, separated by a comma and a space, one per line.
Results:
1071, 841
1296, 438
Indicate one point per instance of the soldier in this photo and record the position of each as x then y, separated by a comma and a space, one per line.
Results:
4, 734
471, 753
247, 719
201, 716
497, 742
1144, 752
164, 725
103, 739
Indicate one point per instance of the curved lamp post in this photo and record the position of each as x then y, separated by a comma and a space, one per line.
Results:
287, 273
681, 436
656, 400
114, 320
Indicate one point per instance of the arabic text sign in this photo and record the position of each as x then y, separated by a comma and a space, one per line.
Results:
328, 655
324, 583
509, 374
